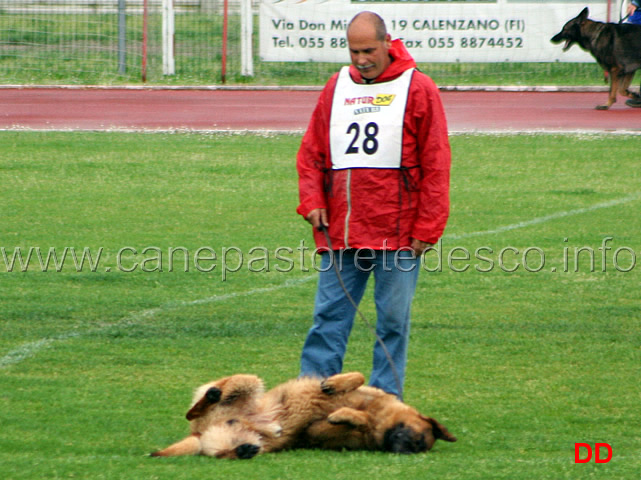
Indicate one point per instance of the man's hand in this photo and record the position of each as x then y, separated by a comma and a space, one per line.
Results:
419, 246
631, 9
318, 217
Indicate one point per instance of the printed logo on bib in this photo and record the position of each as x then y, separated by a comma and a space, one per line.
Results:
382, 100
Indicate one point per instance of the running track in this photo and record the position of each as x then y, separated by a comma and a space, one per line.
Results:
290, 110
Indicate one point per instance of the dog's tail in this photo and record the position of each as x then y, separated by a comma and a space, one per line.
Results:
187, 446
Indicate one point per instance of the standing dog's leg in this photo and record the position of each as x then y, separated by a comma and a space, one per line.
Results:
614, 87
625, 84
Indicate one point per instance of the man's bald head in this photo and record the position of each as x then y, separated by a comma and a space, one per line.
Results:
371, 19
369, 44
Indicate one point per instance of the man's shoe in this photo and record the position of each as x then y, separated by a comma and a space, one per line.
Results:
634, 102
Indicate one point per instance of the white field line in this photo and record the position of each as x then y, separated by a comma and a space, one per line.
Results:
546, 218
30, 349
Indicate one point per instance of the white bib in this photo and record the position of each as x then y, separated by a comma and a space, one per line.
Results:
366, 124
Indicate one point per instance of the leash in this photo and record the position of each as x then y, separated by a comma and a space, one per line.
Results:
621, 17
380, 341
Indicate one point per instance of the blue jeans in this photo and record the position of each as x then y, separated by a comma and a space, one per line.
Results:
395, 275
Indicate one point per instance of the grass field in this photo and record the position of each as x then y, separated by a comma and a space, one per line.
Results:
520, 349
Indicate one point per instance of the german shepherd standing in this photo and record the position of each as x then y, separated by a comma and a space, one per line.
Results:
616, 47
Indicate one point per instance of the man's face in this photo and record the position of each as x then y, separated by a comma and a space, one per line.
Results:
369, 55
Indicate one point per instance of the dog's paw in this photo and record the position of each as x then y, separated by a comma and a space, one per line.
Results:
340, 417
348, 416
342, 383
335, 419
602, 107
247, 451
327, 388
213, 395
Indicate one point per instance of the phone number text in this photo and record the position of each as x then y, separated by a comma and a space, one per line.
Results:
430, 42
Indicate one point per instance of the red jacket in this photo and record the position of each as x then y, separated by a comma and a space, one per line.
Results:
387, 207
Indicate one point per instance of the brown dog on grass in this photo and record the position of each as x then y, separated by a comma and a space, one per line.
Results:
371, 419
233, 418
225, 420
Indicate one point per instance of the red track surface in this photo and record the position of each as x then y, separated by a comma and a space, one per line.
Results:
105, 109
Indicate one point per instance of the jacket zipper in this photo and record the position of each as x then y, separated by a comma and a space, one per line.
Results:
349, 206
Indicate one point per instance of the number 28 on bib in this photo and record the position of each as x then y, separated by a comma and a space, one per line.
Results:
366, 125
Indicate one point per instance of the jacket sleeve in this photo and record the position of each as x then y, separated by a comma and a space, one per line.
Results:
434, 157
314, 155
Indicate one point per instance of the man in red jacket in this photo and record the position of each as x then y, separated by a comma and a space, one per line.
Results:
373, 169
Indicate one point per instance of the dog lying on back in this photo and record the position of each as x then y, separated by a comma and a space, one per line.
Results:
371, 419
334, 413
233, 418
217, 416
616, 48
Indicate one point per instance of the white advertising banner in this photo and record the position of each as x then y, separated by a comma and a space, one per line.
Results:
433, 31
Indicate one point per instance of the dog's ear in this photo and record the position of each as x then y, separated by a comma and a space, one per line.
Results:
198, 410
211, 397
439, 431
584, 14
